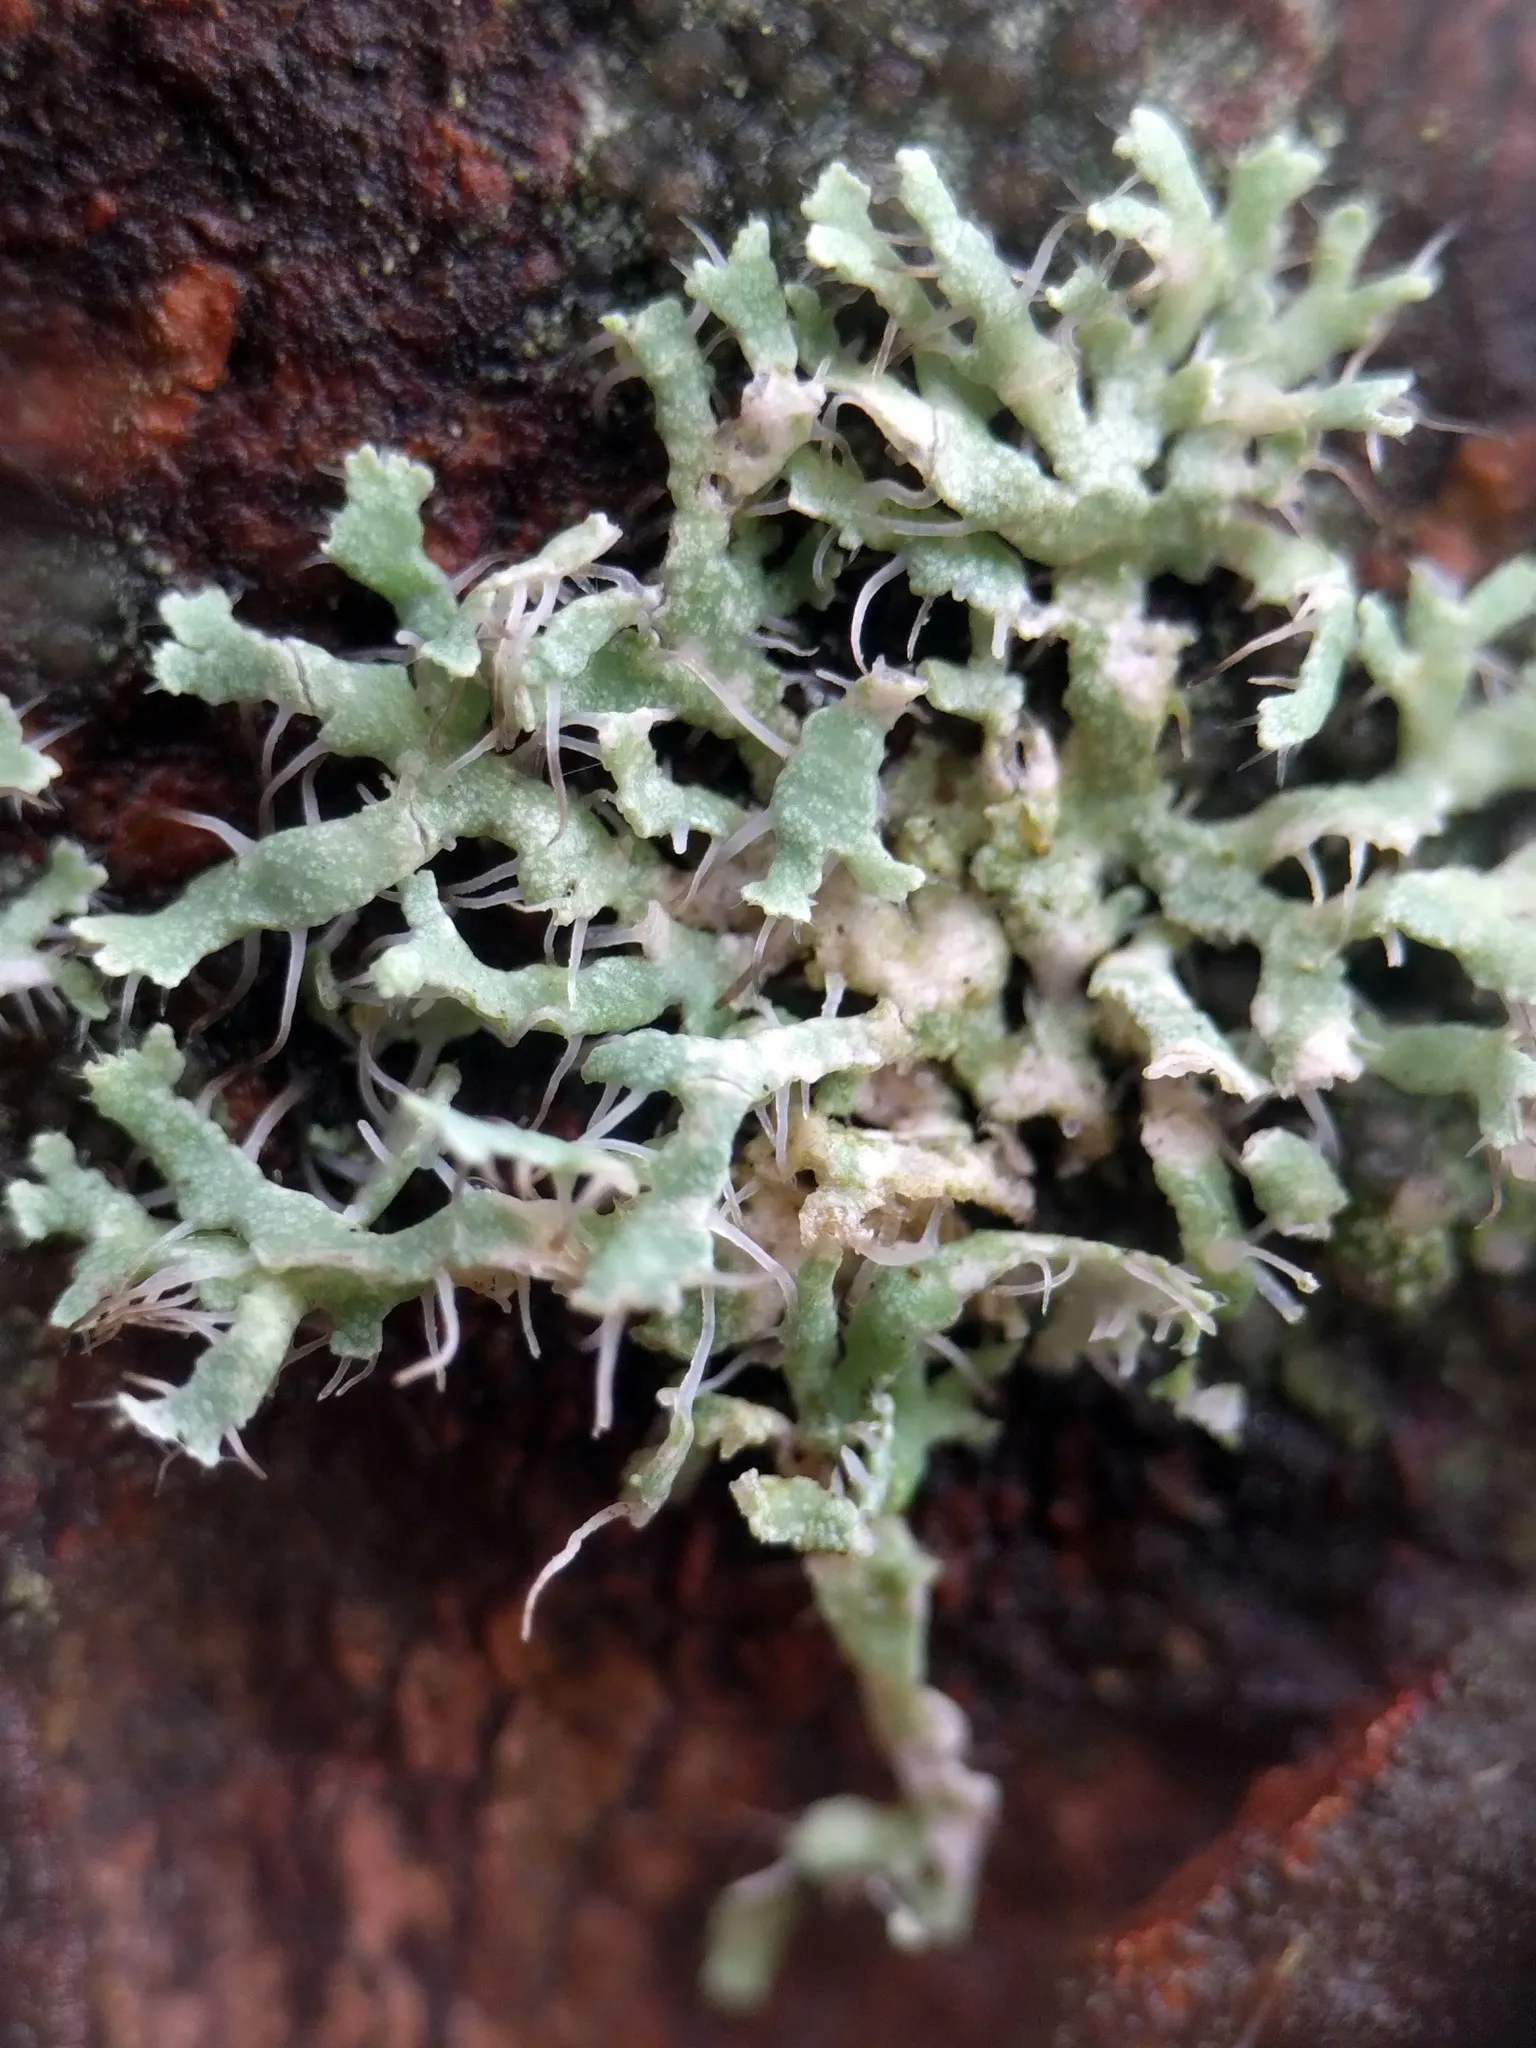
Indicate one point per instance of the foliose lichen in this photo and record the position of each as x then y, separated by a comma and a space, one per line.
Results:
36, 966
912, 905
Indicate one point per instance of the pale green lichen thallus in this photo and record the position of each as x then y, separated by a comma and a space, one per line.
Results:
923, 909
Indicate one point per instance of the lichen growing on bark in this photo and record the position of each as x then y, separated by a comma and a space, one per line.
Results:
807, 996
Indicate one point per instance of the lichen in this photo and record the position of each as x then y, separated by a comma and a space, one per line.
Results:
37, 968
914, 904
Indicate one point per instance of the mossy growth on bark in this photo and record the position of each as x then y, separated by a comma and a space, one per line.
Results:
927, 892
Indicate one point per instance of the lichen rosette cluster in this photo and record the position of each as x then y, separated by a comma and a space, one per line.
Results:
809, 1000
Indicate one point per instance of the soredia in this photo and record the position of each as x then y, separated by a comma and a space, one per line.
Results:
934, 898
